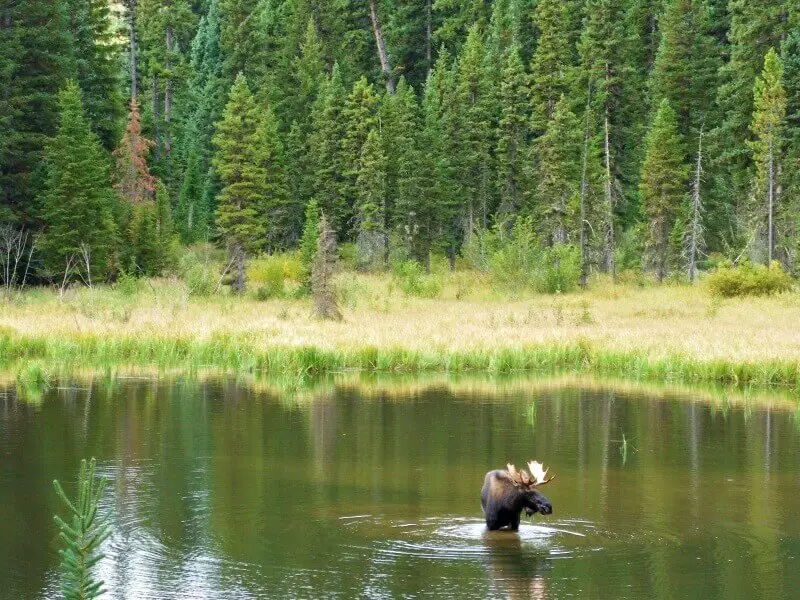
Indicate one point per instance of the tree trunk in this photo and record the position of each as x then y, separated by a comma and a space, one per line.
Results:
381, 44
695, 235
428, 38
584, 192
240, 267
771, 202
609, 241
156, 133
131, 4
168, 99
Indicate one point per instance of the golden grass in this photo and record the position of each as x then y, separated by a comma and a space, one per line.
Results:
656, 321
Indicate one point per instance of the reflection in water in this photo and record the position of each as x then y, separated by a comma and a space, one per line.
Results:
516, 571
219, 491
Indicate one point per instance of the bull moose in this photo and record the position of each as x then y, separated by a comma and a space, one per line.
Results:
506, 493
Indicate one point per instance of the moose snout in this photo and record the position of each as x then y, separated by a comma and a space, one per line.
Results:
545, 508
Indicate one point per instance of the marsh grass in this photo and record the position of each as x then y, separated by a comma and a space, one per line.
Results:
671, 333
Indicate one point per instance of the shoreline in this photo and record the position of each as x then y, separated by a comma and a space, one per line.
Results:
241, 356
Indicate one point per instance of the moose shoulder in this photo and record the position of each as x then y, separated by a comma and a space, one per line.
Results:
506, 494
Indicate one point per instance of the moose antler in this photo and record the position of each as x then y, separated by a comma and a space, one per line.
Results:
537, 476
539, 473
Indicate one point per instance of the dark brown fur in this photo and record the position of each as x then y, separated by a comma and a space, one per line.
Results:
503, 502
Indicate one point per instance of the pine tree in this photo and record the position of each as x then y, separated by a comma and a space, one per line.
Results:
769, 110
360, 116
551, 61
371, 202
474, 121
167, 28
241, 166
36, 58
663, 184
283, 212
408, 205
78, 199
755, 27
512, 135
556, 196
206, 100
686, 65
325, 150
96, 57
309, 73
440, 168
83, 535
456, 18
134, 183
603, 69
788, 222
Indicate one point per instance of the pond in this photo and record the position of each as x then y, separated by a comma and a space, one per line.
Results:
224, 489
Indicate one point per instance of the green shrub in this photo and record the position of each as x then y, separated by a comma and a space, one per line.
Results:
748, 280
197, 275
558, 269
127, 284
411, 278
520, 262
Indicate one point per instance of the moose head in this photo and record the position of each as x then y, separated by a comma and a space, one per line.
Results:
506, 494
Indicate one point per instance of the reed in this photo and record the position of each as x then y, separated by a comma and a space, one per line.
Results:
240, 354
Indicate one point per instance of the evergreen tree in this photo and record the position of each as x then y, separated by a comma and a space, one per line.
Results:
370, 206
440, 167
408, 204
456, 17
77, 202
686, 64
551, 61
556, 195
325, 150
309, 73
473, 118
283, 213
603, 69
207, 91
360, 116
755, 27
96, 59
167, 28
241, 165
789, 223
663, 184
512, 135
769, 110
83, 535
36, 58
134, 183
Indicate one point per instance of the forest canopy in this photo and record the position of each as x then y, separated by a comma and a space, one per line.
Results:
629, 134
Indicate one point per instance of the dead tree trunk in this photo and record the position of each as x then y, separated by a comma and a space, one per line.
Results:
383, 56
584, 193
694, 240
322, 290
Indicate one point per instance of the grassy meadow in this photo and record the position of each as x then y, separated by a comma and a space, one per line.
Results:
444, 322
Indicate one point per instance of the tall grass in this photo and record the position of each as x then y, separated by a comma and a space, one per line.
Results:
239, 354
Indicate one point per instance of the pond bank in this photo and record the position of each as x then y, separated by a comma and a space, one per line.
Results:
669, 333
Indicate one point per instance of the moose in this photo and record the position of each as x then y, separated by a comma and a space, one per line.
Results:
506, 493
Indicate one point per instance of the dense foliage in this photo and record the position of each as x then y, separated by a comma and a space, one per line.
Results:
417, 127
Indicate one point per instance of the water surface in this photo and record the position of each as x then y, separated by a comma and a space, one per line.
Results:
220, 491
